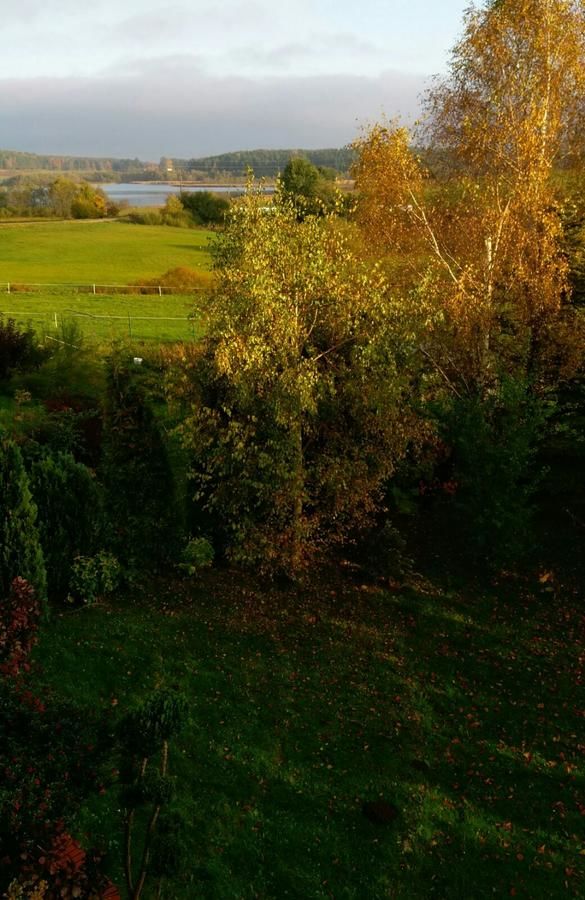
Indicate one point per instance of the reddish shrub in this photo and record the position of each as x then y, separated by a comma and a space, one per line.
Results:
19, 623
66, 870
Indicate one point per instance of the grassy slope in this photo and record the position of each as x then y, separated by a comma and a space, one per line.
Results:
303, 707
40, 310
103, 252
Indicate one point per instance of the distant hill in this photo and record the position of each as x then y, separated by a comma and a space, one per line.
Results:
19, 161
221, 168
264, 163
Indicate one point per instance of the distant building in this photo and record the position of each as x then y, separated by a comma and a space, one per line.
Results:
166, 166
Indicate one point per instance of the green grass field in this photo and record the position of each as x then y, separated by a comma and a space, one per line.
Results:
460, 710
102, 318
102, 252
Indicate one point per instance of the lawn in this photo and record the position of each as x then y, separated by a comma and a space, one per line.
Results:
460, 710
101, 317
103, 252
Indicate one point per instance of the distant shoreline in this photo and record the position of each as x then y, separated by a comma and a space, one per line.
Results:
203, 184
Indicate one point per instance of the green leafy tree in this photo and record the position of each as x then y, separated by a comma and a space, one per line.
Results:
310, 187
89, 203
205, 207
62, 193
299, 415
173, 213
20, 549
70, 509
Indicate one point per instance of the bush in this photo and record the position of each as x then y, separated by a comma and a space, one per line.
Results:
488, 495
137, 474
173, 213
93, 577
384, 554
19, 624
179, 280
205, 208
21, 555
51, 757
18, 349
145, 217
197, 555
64, 869
89, 203
70, 515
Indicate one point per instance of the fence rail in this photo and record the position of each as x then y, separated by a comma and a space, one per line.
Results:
29, 287
104, 316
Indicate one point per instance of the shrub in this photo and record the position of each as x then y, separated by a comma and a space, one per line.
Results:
137, 474
173, 213
180, 280
93, 577
70, 515
205, 208
64, 869
145, 734
488, 495
384, 553
89, 203
51, 758
19, 624
18, 348
145, 217
20, 549
197, 555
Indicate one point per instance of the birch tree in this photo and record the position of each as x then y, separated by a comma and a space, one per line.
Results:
299, 415
486, 239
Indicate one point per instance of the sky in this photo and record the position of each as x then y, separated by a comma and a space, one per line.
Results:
188, 78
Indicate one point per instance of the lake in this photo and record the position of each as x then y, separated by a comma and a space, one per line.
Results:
156, 194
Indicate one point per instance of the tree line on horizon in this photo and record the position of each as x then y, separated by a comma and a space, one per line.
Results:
264, 163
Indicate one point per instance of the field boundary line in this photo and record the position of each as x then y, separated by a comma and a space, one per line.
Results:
94, 288
76, 312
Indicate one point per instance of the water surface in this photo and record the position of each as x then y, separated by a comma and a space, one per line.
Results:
156, 194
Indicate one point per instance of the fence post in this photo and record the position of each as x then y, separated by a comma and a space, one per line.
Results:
159, 291
94, 288
129, 325
8, 288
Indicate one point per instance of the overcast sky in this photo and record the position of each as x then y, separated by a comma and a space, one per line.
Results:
143, 78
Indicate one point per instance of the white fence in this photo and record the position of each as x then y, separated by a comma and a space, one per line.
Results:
29, 287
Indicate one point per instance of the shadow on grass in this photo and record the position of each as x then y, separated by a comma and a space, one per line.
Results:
461, 712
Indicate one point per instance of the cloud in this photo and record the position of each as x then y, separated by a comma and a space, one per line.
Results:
315, 49
176, 21
175, 109
26, 12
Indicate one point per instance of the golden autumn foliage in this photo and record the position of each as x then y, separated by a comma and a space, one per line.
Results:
485, 239
301, 413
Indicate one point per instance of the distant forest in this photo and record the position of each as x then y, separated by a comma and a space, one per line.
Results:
225, 167
264, 163
18, 161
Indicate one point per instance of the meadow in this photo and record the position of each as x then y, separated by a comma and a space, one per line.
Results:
106, 252
296, 610
103, 318
59, 255
455, 708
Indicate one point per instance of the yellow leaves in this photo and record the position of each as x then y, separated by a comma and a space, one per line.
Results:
389, 179
482, 248
516, 77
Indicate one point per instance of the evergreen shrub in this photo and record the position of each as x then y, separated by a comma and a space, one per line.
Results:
137, 475
69, 501
21, 555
